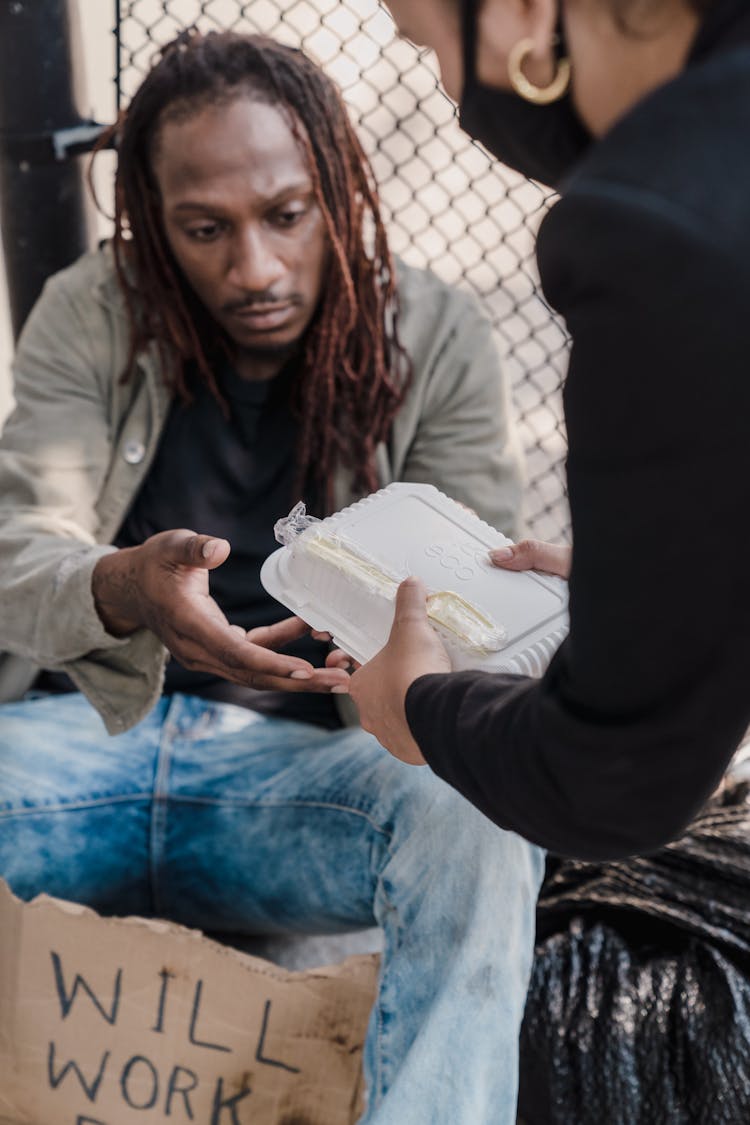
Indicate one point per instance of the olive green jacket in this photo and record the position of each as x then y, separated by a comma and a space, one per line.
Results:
79, 443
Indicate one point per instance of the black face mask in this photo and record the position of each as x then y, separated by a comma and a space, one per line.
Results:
541, 142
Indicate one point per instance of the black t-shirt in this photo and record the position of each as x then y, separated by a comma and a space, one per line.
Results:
231, 477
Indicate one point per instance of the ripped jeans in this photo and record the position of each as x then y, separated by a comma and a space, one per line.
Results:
224, 819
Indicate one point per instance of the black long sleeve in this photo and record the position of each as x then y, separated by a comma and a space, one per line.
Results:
620, 743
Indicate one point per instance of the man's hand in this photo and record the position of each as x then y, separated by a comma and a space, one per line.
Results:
531, 554
379, 687
163, 586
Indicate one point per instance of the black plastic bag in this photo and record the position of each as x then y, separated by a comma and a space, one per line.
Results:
638, 1010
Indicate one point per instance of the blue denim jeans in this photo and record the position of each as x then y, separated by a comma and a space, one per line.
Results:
223, 819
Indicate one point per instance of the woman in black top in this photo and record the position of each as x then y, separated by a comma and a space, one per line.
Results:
647, 257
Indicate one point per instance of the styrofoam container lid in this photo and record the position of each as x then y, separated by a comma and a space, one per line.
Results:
413, 529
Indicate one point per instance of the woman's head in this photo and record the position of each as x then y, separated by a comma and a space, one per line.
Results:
619, 49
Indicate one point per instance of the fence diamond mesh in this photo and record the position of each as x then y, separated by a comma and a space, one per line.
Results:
447, 205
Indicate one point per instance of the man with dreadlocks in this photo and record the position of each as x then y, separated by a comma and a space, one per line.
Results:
246, 340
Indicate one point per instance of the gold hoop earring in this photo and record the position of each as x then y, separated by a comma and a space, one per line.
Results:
539, 95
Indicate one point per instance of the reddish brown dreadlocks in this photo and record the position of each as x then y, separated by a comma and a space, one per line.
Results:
354, 371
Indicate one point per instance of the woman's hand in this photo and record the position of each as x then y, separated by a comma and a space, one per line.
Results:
531, 554
414, 649
162, 585
379, 687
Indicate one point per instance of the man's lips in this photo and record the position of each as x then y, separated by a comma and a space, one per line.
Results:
264, 318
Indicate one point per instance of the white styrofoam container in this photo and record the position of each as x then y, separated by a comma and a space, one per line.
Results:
413, 529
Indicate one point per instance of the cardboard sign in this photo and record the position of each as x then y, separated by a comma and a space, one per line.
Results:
116, 1021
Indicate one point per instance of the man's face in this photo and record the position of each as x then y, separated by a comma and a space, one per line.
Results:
242, 220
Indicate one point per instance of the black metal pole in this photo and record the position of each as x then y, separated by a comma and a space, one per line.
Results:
45, 219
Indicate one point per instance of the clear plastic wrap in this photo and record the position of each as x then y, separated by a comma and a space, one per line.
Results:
288, 528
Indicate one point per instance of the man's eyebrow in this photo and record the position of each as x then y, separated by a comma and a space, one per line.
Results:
303, 187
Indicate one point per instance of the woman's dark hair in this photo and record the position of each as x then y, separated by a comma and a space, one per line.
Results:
354, 371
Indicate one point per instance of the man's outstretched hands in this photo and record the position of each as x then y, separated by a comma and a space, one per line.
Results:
162, 585
379, 687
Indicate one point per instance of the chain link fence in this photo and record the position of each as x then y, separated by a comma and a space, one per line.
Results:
447, 205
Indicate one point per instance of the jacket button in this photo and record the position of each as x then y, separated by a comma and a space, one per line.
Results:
134, 451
